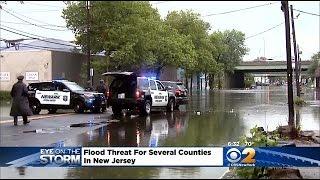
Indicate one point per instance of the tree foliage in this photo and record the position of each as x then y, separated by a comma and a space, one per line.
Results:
131, 34
229, 48
133, 37
189, 24
315, 64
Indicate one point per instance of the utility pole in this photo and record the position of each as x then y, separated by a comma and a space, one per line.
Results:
295, 53
88, 45
285, 9
299, 70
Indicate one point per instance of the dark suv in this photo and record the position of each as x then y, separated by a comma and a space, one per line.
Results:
180, 91
63, 94
137, 94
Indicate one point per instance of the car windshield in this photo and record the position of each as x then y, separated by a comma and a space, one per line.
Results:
74, 87
180, 85
143, 83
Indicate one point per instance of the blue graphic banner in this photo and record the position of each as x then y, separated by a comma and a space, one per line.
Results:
272, 156
40, 156
231, 156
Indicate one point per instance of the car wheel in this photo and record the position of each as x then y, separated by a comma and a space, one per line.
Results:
52, 111
116, 111
35, 107
146, 108
103, 109
170, 106
176, 107
78, 107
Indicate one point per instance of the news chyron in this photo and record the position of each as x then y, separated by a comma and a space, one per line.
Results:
231, 156
70, 157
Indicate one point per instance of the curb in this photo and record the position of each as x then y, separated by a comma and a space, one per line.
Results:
36, 118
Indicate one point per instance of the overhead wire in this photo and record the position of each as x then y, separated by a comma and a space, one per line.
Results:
36, 37
306, 12
265, 31
41, 26
237, 10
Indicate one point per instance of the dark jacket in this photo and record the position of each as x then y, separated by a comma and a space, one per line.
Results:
101, 88
20, 103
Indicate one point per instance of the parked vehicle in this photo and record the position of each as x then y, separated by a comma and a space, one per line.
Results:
63, 94
179, 90
137, 95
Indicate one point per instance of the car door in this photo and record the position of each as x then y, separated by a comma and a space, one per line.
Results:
45, 93
154, 93
163, 94
65, 93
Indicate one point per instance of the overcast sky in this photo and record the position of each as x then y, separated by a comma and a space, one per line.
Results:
270, 44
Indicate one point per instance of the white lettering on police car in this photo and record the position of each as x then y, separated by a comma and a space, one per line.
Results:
53, 97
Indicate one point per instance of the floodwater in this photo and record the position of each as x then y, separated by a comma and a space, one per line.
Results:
210, 119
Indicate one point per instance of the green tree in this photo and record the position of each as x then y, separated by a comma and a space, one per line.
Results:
228, 51
314, 65
189, 24
131, 34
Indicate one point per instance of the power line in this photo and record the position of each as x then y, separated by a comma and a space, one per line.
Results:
38, 4
36, 37
32, 23
227, 12
9, 22
306, 12
25, 32
33, 19
264, 31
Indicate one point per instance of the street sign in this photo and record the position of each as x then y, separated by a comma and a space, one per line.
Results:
91, 72
4, 76
32, 76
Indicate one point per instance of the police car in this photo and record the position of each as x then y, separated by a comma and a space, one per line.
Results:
63, 94
137, 94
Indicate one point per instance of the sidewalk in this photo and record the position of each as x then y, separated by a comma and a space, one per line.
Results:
49, 130
6, 107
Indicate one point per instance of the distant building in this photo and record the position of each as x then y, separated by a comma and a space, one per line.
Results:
40, 60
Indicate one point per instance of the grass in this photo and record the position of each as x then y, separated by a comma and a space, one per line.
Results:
299, 101
5, 96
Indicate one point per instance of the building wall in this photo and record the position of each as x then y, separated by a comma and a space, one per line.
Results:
169, 73
67, 65
21, 62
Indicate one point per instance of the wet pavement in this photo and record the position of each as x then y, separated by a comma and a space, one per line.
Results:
210, 119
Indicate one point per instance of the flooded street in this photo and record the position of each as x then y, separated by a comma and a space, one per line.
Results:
210, 119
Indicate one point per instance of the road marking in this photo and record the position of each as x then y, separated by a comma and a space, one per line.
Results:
36, 118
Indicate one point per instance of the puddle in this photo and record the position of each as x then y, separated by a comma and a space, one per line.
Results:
84, 124
48, 130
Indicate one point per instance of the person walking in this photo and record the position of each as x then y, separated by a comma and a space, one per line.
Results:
89, 86
20, 104
101, 88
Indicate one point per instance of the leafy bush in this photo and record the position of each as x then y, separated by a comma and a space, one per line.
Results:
259, 138
299, 101
5, 96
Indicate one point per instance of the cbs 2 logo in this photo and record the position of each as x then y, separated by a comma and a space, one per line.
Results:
234, 155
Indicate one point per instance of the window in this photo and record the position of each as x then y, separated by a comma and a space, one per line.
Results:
160, 86
47, 87
153, 85
143, 83
33, 87
60, 87
74, 87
